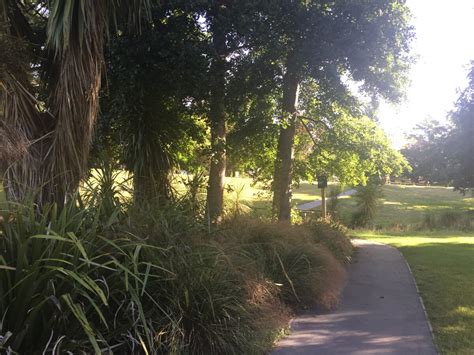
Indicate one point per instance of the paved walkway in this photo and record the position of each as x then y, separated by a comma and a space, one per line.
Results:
380, 312
313, 204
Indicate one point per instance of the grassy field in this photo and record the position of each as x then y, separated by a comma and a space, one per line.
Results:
243, 189
404, 206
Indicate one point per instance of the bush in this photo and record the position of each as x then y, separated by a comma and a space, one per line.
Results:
78, 291
367, 199
64, 287
292, 257
333, 236
151, 279
449, 220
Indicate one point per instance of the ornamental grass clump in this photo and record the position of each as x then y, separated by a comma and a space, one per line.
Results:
304, 269
333, 236
66, 287
100, 276
69, 283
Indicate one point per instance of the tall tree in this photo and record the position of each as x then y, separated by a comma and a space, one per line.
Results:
342, 143
330, 41
427, 153
229, 25
218, 14
353, 148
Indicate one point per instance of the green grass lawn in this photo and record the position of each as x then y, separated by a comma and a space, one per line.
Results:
406, 206
443, 266
402, 207
304, 192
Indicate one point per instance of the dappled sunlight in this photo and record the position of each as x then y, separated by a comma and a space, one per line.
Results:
392, 203
404, 239
453, 329
345, 197
418, 207
305, 197
306, 192
407, 207
258, 193
336, 329
464, 311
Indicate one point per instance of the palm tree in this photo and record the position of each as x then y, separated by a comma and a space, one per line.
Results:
52, 102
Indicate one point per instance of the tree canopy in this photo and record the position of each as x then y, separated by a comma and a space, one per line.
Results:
224, 85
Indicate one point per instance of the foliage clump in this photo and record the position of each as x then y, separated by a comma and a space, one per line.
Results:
93, 277
367, 200
449, 220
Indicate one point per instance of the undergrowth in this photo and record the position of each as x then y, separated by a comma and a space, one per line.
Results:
454, 220
98, 276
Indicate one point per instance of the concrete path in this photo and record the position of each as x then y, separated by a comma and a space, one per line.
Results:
380, 312
313, 204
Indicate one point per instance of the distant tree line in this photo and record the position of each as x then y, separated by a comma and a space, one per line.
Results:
444, 153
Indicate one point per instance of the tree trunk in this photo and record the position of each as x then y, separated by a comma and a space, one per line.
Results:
144, 189
74, 102
151, 180
217, 117
284, 162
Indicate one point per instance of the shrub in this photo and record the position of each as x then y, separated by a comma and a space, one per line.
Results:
64, 287
233, 203
449, 220
305, 270
75, 290
333, 236
152, 279
208, 299
367, 199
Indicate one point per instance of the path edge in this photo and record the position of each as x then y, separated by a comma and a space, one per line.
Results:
421, 301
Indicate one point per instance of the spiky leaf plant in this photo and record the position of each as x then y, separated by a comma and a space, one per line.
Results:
367, 200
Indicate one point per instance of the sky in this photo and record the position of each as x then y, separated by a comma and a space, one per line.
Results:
444, 46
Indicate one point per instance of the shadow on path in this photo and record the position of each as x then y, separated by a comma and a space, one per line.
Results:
380, 312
